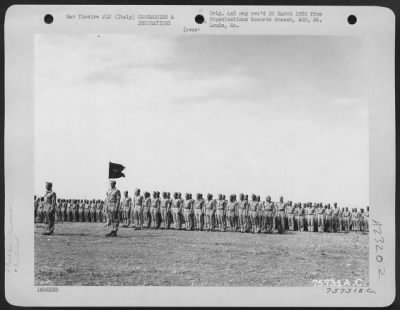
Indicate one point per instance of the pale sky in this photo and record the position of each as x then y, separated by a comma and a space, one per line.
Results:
271, 115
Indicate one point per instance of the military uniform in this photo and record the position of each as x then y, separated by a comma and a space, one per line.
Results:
220, 214
138, 210
280, 215
198, 212
187, 210
310, 218
126, 207
300, 218
335, 219
328, 219
155, 209
321, 218
112, 205
242, 208
49, 206
268, 214
366, 219
210, 209
290, 216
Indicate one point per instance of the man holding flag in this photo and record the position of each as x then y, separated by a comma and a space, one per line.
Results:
113, 198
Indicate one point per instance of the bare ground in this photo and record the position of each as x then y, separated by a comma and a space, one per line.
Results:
79, 254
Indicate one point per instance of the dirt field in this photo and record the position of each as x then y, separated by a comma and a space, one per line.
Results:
79, 254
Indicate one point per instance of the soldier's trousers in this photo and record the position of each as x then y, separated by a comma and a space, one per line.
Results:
164, 217
328, 223
220, 219
186, 215
154, 212
242, 220
198, 218
113, 216
291, 221
366, 223
208, 217
80, 215
138, 217
300, 222
310, 222
254, 220
92, 216
346, 222
146, 217
335, 223
62, 215
50, 219
99, 216
280, 221
269, 223
230, 220
320, 222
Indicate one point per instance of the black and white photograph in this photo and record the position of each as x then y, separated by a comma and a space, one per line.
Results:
182, 156
243, 160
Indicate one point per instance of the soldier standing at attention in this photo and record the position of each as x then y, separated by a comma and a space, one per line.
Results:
86, 211
320, 218
335, 218
146, 210
290, 215
57, 211
268, 214
242, 207
49, 205
300, 217
310, 218
80, 211
253, 207
187, 206
281, 215
230, 213
113, 201
68, 211
74, 210
126, 208
210, 208
62, 210
220, 210
175, 210
92, 210
155, 205
346, 219
366, 220
328, 218
199, 210
164, 210
138, 209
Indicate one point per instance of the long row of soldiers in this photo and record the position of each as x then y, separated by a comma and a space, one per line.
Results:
146, 211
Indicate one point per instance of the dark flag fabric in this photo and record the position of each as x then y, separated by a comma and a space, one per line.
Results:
115, 171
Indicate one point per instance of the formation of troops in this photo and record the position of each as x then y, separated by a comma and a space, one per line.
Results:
161, 211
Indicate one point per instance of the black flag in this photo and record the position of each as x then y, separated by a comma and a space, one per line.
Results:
115, 171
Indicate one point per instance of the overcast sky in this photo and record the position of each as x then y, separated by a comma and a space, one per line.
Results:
277, 115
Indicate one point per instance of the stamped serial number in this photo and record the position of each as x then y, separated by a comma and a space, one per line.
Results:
350, 290
339, 283
47, 289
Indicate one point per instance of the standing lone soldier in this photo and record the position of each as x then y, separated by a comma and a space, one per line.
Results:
138, 209
49, 206
210, 208
199, 211
280, 215
112, 206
